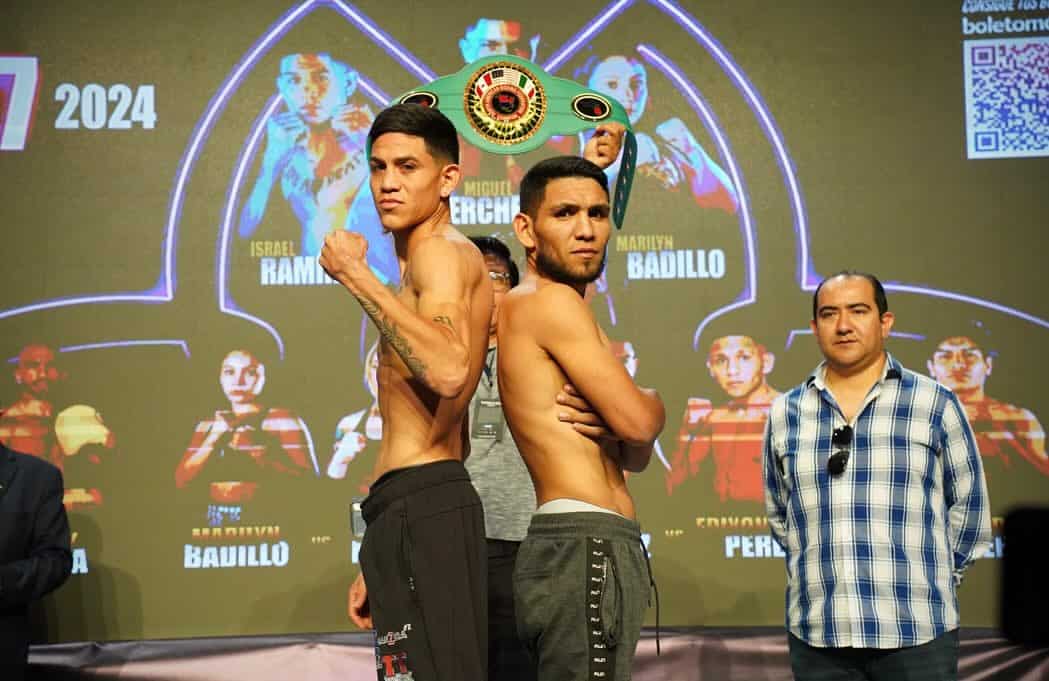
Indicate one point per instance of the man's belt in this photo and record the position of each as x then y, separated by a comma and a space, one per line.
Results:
503, 104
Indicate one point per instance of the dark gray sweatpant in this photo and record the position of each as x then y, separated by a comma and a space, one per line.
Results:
581, 587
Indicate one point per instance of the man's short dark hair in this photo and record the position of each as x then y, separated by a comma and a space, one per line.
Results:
442, 141
489, 245
533, 186
879, 291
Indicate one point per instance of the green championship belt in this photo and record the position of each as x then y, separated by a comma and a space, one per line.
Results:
503, 104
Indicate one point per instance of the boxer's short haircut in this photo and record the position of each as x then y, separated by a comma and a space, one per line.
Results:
533, 186
442, 141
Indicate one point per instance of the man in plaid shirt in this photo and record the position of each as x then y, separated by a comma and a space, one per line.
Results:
875, 489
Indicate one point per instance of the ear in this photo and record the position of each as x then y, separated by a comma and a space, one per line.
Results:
524, 229
768, 361
887, 320
709, 370
450, 176
928, 366
812, 325
989, 361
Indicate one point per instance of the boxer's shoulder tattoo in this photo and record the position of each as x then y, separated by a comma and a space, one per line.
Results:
442, 319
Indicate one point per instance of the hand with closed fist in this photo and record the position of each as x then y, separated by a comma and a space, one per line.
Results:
344, 255
603, 148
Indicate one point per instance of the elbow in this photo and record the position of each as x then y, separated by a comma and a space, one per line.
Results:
645, 427
654, 426
638, 463
641, 434
450, 382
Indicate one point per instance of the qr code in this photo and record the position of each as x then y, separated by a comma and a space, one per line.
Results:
1007, 97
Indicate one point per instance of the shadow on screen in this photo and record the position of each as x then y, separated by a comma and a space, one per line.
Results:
1024, 613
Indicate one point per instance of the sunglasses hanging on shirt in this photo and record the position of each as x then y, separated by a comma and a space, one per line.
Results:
841, 439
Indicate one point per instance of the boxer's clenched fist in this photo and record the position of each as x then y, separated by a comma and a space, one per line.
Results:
603, 148
344, 254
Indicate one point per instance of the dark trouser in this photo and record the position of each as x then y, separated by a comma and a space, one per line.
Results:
11, 671
14, 640
423, 559
936, 660
581, 587
507, 658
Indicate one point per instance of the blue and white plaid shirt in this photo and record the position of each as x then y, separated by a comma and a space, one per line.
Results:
874, 554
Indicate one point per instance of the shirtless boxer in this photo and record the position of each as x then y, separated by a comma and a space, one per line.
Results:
422, 584
581, 571
496, 468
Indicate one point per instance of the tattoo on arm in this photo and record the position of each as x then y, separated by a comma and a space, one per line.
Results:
441, 319
388, 330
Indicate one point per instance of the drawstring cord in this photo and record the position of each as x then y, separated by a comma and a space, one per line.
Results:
655, 590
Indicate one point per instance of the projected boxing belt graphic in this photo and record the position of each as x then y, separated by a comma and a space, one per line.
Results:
503, 104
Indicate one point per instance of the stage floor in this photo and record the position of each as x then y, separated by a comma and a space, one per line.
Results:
742, 654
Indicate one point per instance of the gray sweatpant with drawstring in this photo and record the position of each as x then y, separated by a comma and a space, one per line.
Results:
581, 587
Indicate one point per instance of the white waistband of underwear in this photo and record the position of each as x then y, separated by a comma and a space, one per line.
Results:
573, 506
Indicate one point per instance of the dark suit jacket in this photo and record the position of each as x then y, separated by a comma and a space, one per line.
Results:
34, 546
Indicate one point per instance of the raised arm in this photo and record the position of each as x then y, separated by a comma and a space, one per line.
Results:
603, 148
567, 331
434, 342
